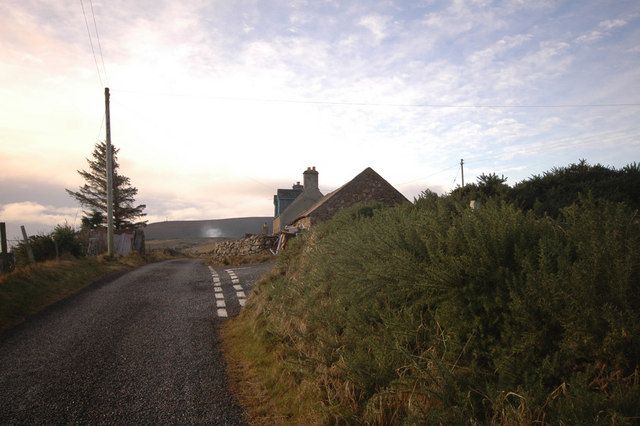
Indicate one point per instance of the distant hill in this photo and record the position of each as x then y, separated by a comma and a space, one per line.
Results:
228, 228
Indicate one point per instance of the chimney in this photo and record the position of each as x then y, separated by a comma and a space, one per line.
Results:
310, 179
297, 186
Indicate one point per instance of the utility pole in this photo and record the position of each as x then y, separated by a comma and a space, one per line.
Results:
109, 176
462, 170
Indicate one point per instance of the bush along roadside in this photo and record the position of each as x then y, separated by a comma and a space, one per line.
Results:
436, 313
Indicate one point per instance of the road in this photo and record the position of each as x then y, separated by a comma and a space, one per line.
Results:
139, 349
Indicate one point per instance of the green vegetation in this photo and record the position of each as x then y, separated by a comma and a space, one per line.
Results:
435, 313
93, 194
62, 242
30, 289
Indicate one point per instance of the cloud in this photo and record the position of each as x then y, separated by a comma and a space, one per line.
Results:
610, 24
377, 25
462, 17
214, 104
603, 30
34, 212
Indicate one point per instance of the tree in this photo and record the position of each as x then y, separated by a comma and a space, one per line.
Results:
93, 220
93, 194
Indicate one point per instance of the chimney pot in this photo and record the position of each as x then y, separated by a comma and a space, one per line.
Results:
310, 179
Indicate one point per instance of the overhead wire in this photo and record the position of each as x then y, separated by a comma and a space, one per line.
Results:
376, 104
104, 68
95, 60
426, 177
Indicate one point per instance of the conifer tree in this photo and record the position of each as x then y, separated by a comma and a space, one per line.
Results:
93, 194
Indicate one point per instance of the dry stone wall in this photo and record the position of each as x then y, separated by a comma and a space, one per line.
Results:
255, 244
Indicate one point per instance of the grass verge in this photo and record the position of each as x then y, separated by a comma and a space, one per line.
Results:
30, 289
266, 389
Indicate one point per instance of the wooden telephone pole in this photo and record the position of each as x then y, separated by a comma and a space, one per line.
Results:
109, 161
462, 170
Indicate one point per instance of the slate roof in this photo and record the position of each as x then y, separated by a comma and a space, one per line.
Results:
368, 185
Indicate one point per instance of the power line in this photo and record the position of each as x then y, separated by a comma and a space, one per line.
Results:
104, 69
428, 176
377, 104
100, 129
91, 43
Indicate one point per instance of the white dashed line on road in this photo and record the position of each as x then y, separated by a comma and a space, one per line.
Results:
217, 288
242, 297
219, 295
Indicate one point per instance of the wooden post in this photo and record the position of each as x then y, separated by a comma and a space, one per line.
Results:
4, 263
27, 244
110, 248
3, 237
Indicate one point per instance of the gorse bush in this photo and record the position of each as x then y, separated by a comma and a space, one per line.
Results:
436, 313
67, 239
548, 193
562, 186
44, 245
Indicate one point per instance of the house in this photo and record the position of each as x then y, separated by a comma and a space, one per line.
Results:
287, 210
366, 186
284, 198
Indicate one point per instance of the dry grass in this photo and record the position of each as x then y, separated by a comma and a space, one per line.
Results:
270, 389
270, 395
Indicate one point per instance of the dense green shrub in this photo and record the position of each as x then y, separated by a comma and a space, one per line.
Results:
561, 186
44, 245
435, 313
67, 239
43, 248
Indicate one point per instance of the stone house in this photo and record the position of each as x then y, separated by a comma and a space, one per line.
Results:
290, 203
284, 198
366, 186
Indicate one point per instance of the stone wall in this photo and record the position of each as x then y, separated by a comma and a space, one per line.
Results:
255, 244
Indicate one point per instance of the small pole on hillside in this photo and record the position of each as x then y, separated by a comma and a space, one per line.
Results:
3, 238
109, 175
4, 261
27, 244
462, 170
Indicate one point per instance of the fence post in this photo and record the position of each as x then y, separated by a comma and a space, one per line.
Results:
3, 237
26, 243
4, 262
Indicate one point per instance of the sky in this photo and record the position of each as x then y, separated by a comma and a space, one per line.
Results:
216, 104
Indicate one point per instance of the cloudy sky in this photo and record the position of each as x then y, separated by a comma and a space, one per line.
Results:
215, 104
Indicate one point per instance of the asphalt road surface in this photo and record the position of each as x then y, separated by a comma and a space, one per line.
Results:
139, 349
